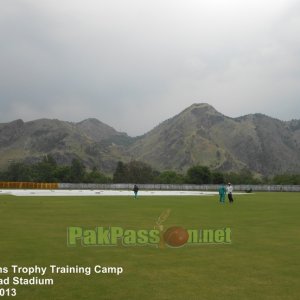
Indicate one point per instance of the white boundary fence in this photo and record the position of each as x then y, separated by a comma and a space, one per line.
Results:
178, 187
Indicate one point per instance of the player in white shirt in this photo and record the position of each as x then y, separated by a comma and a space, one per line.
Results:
229, 192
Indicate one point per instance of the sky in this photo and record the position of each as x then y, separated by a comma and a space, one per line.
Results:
134, 63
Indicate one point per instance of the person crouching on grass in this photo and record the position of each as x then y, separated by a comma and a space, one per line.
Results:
135, 190
229, 192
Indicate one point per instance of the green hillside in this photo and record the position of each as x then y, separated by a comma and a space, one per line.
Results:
197, 135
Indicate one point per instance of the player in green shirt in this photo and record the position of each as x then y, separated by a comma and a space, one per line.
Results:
222, 193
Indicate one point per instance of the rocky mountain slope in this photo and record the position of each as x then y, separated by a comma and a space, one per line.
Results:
201, 135
94, 142
198, 135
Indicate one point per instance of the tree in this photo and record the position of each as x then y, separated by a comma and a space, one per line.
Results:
44, 171
77, 171
199, 175
121, 173
245, 176
170, 177
218, 178
286, 179
19, 171
134, 172
96, 177
63, 174
140, 172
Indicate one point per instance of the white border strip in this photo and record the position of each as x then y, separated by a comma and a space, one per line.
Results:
40, 192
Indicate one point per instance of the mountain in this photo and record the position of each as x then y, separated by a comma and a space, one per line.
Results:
94, 142
197, 135
202, 135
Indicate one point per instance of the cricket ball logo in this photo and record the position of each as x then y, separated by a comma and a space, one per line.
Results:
174, 236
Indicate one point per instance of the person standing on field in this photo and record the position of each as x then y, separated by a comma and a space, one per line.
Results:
222, 193
229, 192
135, 190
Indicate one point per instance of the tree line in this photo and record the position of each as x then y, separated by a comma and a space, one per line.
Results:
48, 170
139, 172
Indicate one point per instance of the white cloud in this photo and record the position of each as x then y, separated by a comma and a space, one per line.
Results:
133, 63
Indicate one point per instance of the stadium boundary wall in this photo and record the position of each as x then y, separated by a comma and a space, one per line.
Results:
28, 185
180, 187
155, 187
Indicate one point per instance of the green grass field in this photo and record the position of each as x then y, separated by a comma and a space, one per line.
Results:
262, 262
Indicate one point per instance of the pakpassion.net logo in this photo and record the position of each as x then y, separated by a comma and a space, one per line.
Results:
174, 236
